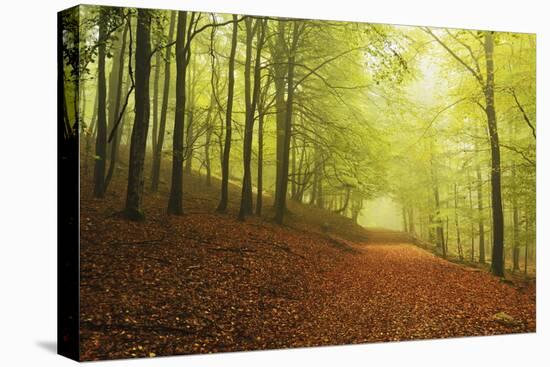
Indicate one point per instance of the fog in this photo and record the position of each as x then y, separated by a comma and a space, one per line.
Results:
381, 212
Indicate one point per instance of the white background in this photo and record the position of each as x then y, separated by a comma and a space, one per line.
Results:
28, 182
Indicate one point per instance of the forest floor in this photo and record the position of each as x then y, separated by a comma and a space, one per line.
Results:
205, 282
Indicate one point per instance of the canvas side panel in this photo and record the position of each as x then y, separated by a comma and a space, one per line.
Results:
68, 184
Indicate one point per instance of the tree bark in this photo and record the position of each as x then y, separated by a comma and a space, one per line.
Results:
101, 140
138, 143
209, 127
175, 202
190, 106
246, 195
222, 206
116, 110
259, 198
515, 210
280, 71
470, 200
439, 229
157, 153
412, 229
497, 259
154, 135
481, 224
457, 225
525, 260
280, 206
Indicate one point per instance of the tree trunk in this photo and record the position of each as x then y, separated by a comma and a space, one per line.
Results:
404, 215
497, 259
280, 72
190, 95
141, 121
280, 207
251, 104
472, 242
481, 225
175, 202
525, 260
101, 140
208, 140
293, 167
259, 197
439, 229
412, 229
116, 110
154, 135
89, 135
457, 226
515, 210
157, 153
313, 195
228, 116
320, 200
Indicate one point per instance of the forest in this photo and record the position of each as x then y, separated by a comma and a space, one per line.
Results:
230, 165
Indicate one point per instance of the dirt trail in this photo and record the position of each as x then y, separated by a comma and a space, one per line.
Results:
397, 291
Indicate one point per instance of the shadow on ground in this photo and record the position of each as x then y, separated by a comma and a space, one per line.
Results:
48, 345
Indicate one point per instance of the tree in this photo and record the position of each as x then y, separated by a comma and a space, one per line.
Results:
487, 85
116, 100
251, 106
183, 33
157, 153
134, 193
101, 140
282, 184
222, 206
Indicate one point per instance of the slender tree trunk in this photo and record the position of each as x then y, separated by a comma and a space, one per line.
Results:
457, 226
208, 140
188, 151
259, 198
439, 229
93, 123
89, 136
228, 119
313, 195
283, 182
189, 141
525, 260
82, 90
175, 202
101, 141
116, 109
411, 221
293, 167
280, 73
157, 153
280, 208
515, 210
113, 85
320, 198
246, 196
472, 235
481, 225
154, 135
404, 215
138, 144
497, 259
440, 238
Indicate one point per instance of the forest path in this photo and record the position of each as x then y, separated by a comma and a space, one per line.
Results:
396, 291
205, 282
